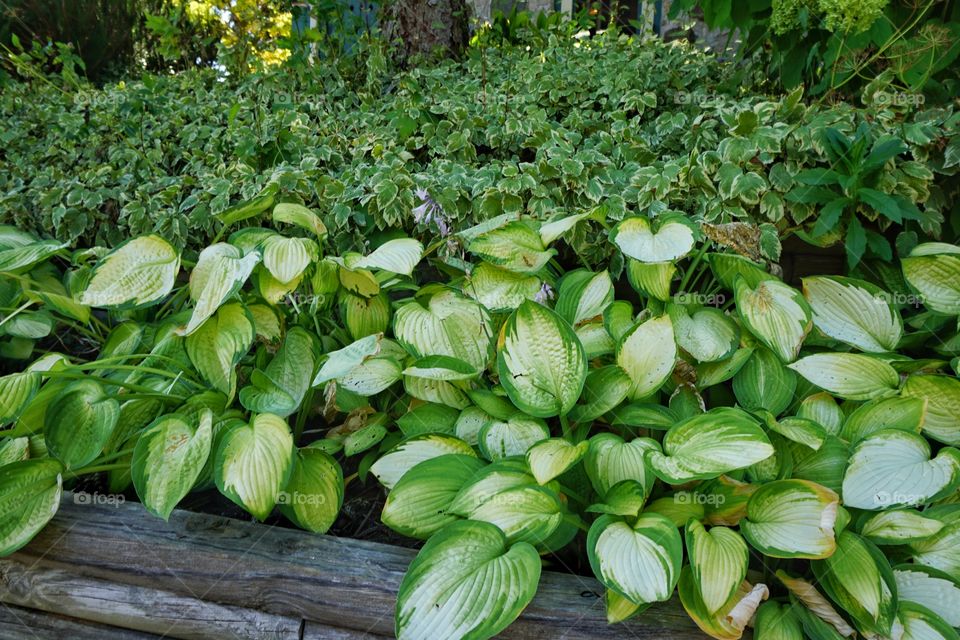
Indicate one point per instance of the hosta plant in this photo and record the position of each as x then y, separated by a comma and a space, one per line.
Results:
777, 456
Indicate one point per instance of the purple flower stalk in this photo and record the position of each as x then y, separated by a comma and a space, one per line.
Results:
429, 211
545, 293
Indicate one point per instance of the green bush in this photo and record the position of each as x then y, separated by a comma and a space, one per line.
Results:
608, 125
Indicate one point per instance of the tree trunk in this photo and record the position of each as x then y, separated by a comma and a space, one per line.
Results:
426, 29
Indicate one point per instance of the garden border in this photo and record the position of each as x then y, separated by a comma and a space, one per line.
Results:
117, 572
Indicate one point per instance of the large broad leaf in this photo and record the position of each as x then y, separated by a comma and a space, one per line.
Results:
138, 273
904, 413
942, 549
418, 504
391, 466
524, 514
79, 423
18, 259
280, 387
553, 457
341, 362
849, 375
466, 583
396, 256
917, 621
718, 558
648, 353
498, 289
301, 216
933, 270
218, 345
287, 258
942, 395
220, 272
168, 459
584, 295
541, 362
29, 497
764, 382
791, 519
707, 445
640, 562
636, 238
855, 312
706, 334
16, 391
777, 622
933, 589
313, 495
776, 313
445, 324
253, 461
489, 482
604, 389
514, 436
515, 247
899, 526
893, 468
728, 622
858, 578
610, 460
651, 279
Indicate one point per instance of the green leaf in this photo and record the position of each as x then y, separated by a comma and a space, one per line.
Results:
647, 353
290, 213
928, 587
498, 289
905, 413
893, 468
935, 276
524, 514
776, 314
341, 362
541, 362
610, 460
79, 423
220, 272
710, 444
719, 559
16, 392
604, 389
253, 462
168, 459
29, 498
391, 466
20, 258
636, 238
248, 208
791, 519
849, 375
511, 437
313, 495
281, 386
900, 526
287, 258
706, 334
583, 296
651, 279
138, 273
777, 622
441, 368
854, 312
515, 247
418, 505
640, 562
217, 347
445, 324
466, 583
400, 256
551, 458
942, 396
730, 621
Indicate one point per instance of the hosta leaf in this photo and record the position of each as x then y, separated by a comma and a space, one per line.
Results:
14, 450
341, 362
855, 312
168, 459
515, 247
400, 256
584, 295
218, 345
893, 468
391, 466
524, 514
942, 549
640, 562
710, 444
431, 418
728, 267
417, 506
489, 482
551, 458
622, 499
446, 324
18, 259
791, 519
280, 387
287, 258
313, 495
799, 430
138, 273
933, 589
917, 621
900, 526
441, 368
777, 314
220, 272
729, 622
438, 391
604, 389
942, 395
636, 239
610, 460
648, 353
935, 275
706, 334
849, 375
29, 498
79, 423
550, 231
904, 413
372, 376
777, 622
498, 289
271, 289
817, 615
253, 463
16, 391
541, 362
858, 578
651, 279
466, 583
718, 559
500, 439
301, 216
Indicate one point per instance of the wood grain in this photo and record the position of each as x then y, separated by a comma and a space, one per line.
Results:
341, 583
17, 623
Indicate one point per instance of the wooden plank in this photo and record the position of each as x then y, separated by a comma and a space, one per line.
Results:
139, 608
17, 623
342, 583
